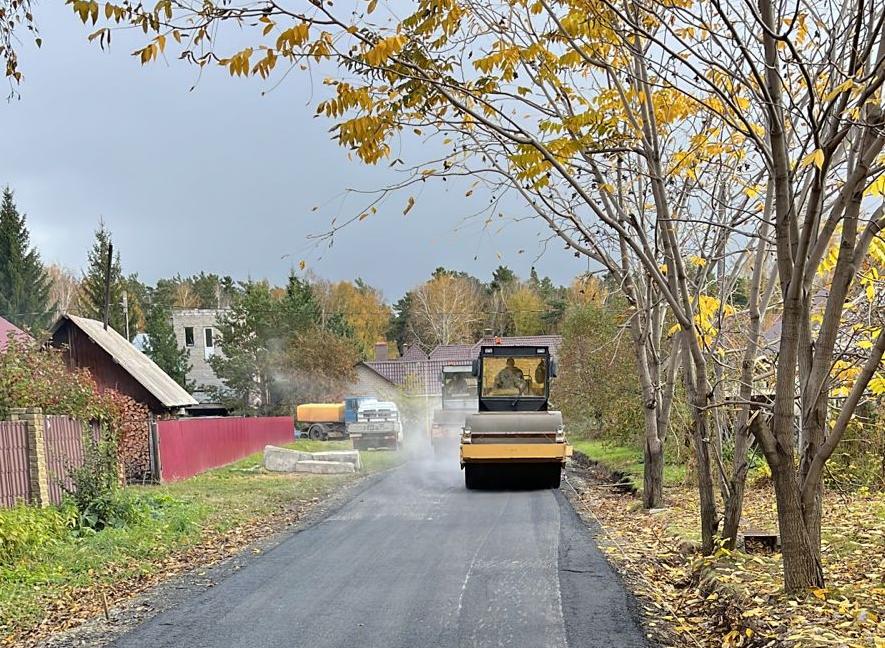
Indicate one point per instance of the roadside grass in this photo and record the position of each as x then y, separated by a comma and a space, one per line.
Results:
734, 598
627, 460
58, 581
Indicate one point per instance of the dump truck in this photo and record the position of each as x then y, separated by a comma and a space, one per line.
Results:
458, 386
514, 438
323, 421
378, 426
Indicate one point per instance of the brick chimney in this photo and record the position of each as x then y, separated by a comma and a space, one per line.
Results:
381, 352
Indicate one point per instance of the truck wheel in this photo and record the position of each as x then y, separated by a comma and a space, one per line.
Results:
472, 476
555, 477
317, 432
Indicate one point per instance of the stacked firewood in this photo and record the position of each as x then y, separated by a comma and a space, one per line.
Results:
132, 426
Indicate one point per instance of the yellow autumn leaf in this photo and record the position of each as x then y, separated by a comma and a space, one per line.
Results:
876, 188
698, 262
816, 157
302, 264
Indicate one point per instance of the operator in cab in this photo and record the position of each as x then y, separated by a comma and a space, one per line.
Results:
510, 377
457, 385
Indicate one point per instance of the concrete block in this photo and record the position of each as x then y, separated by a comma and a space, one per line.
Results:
345, 456
283, 459
286, 460
324, 467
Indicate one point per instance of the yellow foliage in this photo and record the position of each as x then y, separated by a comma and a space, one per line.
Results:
526, 307
816, 157
385, 49
361, 306
877, 187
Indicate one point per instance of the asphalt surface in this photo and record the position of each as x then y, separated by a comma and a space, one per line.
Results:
416, 560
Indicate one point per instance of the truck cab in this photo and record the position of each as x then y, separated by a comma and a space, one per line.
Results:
458, 391
377, 425
514, 436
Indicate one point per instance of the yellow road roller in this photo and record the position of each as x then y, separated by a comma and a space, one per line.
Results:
514, 440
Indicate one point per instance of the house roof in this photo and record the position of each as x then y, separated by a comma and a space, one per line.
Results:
421, 375
452, 352
156, 381
414, 352
8, 329
417, 376
552, 341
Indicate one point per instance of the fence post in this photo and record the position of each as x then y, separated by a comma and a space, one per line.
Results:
154, 447
38, 471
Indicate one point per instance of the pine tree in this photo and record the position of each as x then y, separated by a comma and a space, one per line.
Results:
24, 284
92, 286
162, 346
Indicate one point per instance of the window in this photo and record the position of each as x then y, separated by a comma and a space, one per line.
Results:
503, 376
209, 346
459, 385
188, 336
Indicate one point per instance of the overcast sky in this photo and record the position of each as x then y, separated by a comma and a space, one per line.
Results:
219, 179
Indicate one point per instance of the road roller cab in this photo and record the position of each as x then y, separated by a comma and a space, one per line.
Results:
514, 438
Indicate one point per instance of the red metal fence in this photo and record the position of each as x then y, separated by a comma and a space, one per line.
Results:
64, 451
14, 470
190, 446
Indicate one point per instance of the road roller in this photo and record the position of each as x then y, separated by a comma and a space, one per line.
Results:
514, 439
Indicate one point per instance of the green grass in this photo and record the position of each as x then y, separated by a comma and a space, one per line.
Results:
626, 459
175, 518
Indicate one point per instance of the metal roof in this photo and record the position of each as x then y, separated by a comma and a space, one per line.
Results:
452, 352
7, 328
421, 376
134, 362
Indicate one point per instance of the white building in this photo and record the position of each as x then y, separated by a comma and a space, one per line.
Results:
196, 330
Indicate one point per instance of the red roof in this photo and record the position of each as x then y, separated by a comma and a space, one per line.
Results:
452, 352
422, 376
8, 328
414, 352
552, 341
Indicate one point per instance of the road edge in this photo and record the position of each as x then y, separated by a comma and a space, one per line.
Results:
574, 614
181, 587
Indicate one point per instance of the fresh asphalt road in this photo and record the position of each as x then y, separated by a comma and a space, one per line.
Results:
416, 560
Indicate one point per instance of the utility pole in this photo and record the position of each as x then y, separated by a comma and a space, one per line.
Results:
107, 287
126, 312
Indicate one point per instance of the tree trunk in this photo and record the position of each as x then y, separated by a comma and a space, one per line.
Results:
695, 385
709, 515
653, 474
802, 568
648, 365
734, 505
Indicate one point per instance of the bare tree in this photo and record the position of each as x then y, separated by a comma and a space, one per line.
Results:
445, 310
63, 289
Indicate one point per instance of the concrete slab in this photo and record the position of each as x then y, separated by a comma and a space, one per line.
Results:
324, 467
285, 460
346, 456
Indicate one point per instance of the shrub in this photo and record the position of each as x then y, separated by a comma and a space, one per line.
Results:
26, 530
95, 487
598, 388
